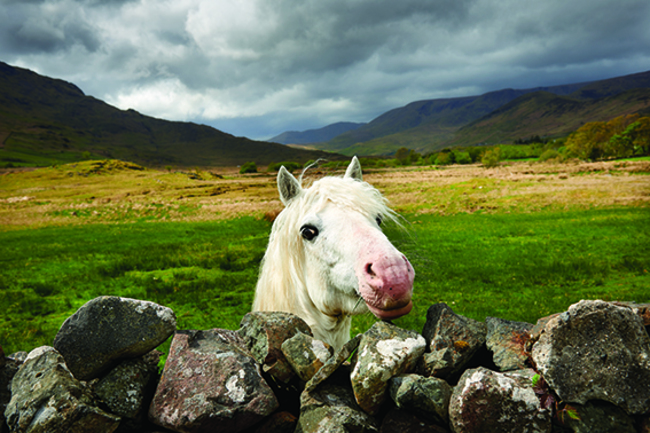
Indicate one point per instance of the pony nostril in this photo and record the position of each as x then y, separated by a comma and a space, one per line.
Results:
369, 270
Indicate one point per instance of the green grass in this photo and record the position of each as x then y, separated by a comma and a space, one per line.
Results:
513, 266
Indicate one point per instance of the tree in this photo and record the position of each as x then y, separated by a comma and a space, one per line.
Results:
475, 153
635, 140
595, 140
587, 142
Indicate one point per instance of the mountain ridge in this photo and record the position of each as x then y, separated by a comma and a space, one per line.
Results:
318, 135
430, 125
44, 121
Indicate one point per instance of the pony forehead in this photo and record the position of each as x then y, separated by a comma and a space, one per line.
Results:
346, 193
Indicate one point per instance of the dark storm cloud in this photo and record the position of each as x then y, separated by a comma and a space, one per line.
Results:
35, 27
264, 66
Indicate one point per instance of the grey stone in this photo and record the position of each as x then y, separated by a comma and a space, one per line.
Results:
507, 342
128, 388
427, 397
210, 383
264, 332
108, 329
488, 401
597, 417
7, 373
402, 421
19, 356
452, 340
46, 398
334, 363
306, 355
385, 351
332, 408
279, 422
597, 351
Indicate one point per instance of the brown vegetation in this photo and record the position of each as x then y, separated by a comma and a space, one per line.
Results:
80, 193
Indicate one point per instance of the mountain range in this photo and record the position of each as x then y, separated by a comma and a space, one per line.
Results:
495, 117
315, 135
46, 121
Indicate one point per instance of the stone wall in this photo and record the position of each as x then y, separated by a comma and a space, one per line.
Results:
583, 370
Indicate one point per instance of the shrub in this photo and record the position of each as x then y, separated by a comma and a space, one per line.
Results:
289, 165
491, 157
248, 167
549, 154
463, 158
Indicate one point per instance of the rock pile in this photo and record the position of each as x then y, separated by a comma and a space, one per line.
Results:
583, 370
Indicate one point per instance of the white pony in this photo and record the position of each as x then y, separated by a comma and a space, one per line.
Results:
327, 252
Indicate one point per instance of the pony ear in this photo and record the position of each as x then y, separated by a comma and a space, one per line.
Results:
354, 169
288, 186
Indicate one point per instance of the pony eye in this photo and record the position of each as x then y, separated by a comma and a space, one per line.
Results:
309, 232
379, 220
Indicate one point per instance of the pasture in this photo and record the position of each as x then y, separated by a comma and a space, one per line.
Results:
519, 241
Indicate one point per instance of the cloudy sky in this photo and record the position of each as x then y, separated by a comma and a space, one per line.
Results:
257, 68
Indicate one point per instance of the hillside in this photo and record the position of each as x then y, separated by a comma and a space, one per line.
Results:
315, 135
435, 124
45, 121
545, 114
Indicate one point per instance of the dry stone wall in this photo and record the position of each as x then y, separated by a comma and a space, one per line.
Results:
583, 370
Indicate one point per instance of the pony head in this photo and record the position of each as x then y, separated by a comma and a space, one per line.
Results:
328, 258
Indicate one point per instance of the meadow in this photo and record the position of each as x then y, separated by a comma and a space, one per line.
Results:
519, 241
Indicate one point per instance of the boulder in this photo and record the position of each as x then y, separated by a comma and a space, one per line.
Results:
597, 417
210, 383
331, 408
451, 339
427, 397
108, 329
45, 398
596, 351
264, 332
128, 388
402, 421
489, 401
19, 356
385, 351
279, 422
7, 373
306, 355
334, 363
507, 342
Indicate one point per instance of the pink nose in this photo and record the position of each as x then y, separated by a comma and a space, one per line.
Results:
388, 286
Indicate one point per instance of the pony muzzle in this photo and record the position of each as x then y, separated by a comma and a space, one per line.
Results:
386, 286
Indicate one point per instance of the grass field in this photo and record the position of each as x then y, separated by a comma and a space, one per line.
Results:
517, 242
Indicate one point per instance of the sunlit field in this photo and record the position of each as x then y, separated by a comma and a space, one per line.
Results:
519, 241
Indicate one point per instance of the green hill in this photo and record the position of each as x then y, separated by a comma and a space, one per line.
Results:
45, 121
434, 124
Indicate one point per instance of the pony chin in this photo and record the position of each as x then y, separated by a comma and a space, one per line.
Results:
391, 314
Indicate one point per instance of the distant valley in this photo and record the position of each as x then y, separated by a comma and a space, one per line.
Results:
495, 117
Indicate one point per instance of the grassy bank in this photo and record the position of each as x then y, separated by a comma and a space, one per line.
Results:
516, 266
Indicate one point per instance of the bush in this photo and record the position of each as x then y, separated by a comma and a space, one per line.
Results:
463, 158
491, 157
289, 165
248, 167
549, 154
